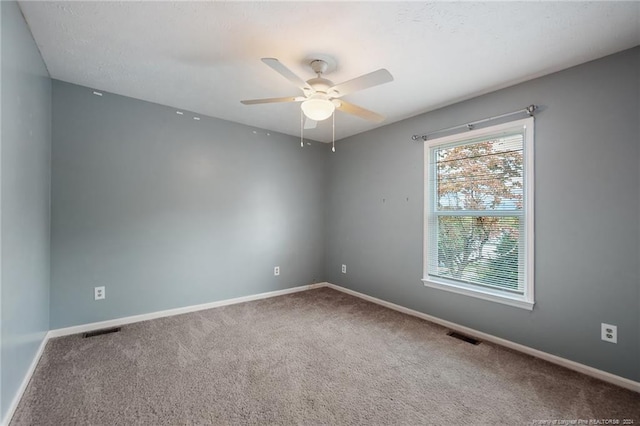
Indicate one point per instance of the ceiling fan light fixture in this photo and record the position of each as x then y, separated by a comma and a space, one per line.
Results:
318, 109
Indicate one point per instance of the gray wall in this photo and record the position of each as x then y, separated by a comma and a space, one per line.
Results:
2, 413
24, 201
587, 215
166, 211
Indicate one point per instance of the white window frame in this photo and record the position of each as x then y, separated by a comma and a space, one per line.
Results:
525, 301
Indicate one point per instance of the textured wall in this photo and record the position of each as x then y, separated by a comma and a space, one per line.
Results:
166, 211
24, 201
587, 158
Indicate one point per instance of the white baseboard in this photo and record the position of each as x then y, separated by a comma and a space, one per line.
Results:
177, 311
25, 382
554, 359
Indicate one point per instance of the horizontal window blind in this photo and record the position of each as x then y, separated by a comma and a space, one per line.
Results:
476, 224
481, 250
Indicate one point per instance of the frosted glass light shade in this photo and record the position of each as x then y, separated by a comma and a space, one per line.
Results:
318, 109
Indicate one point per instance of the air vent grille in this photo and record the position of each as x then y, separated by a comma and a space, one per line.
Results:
463, 338
101, 332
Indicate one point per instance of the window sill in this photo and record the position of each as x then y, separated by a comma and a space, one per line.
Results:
518, 302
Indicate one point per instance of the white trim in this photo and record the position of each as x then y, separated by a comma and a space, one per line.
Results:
25, 382
83, 328
529, 231
554, 359
479, 293
527, 301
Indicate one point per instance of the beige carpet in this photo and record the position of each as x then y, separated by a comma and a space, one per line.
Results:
315, 357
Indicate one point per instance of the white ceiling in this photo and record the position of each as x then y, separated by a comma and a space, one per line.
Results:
205, 56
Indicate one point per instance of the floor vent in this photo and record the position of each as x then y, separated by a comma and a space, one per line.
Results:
101, 332
463, 338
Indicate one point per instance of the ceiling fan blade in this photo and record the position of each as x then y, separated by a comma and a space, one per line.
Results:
277, 66
309, 123
273, 100
359, 111
374, 78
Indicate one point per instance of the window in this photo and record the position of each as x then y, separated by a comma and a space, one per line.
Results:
478, 236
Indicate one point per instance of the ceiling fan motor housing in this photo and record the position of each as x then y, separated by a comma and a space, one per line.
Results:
320, 84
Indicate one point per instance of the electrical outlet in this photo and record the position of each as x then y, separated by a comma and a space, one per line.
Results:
344, 269
99, 293
276, 271
609, 333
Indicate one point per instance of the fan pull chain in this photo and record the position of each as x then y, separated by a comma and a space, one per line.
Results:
333, 117
301, 129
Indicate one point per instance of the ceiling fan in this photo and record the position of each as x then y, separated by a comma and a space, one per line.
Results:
320, 96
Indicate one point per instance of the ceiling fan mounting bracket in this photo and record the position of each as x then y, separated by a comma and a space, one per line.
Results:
308, 62
319, 66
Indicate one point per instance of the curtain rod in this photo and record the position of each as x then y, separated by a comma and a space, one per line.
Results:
529, 110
